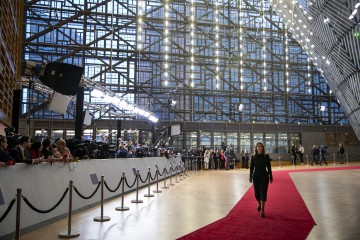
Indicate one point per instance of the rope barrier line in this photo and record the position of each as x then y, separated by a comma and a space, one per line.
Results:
153, 179
82, 196
8, 209
144, 181
117, 187
130, 186
162, 174
70, 233
45, 211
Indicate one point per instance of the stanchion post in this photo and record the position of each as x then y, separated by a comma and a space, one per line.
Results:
177, 172
102, 218
69, 233
293, 161
122, 208
182, 173
218, 164
334, 157
157, 181
148, 194
307, 160
279, 161
137, 188
347, 158
18, 213
171, 176
165, 187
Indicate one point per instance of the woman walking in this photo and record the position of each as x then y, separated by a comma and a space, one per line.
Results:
260, 172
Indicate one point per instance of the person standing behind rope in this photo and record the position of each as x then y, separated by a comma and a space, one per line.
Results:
293, 153
222, 159
341, 153
206, 159
227, 154
323, 155
260, 172
301, 153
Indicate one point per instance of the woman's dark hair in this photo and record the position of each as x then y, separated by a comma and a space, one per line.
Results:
35, 146
260, 143
46, 143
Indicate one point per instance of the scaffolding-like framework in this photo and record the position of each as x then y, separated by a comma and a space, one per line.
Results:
11, 14
233, 52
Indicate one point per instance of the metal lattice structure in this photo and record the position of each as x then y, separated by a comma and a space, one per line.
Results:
217, 55
332, 33
10, 51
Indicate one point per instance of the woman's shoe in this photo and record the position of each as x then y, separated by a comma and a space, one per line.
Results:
259, 208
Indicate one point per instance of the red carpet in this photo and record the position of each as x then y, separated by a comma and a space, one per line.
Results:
287, 216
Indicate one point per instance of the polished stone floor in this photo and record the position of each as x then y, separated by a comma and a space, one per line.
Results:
331, 196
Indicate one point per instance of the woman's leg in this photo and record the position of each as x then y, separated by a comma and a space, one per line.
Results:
262, 208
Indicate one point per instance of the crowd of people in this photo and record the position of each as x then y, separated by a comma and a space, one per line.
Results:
26, 151
220, 158
35, 152
319, 154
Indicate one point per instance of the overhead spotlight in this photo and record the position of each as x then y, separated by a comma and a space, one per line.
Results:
241, 107
97, 93
172, 102
322, 108
32, 68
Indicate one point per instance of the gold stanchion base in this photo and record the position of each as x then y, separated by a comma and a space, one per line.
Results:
157, 191
136, 201
122, 208
164, 187
66, 234
101, 219
149, 195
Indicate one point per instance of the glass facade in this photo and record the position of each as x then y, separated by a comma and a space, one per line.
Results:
234, 62
233, 54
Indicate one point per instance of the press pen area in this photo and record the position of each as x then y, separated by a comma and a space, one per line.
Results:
167, 191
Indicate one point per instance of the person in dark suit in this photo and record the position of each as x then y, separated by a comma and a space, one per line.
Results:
21, 153
260, 172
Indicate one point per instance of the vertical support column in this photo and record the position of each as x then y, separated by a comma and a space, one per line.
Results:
79, 118
16, 106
